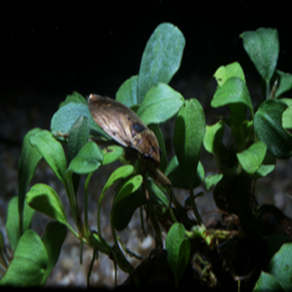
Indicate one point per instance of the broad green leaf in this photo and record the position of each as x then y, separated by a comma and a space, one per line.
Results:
280, 266
160, 104
267, 166
159, 136
178, 179
284, 82
161, 58
252, 158
78, 137
74, 97
53, 241
111, 154
63, 120
184, 255
268, 127
127, 93
120, 214
12, 223
287, 114
28, 161
44, 199
213, 137
231, 70
88, 159
276, 240
52, 151
188, 138
212, 180
233, 92
29, 262
262, 46
267, 282
173, 243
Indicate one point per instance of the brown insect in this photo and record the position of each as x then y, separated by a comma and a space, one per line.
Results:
126, 128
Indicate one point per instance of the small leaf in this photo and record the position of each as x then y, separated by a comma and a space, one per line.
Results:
127, 93
52, 151
28, 161
184, 255
78, 137
188, 138
287, 114
262, 46
53, 241
252, 158
280, 266
120, 214
161, 58
74, 97
88, 159
213, 137
111, 154
159, 136
12, 223
266, 282
160, 104
63, 120
29, 262
267, 166
44, 199
284, 83
233, 92
173, 243
177, 178
268, 127
231, 70
212, 180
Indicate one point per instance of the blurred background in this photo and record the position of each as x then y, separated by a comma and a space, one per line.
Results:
47, 51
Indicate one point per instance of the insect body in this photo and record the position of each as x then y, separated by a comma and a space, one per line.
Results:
124, 126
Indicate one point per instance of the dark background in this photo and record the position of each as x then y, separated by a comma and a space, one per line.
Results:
56, 49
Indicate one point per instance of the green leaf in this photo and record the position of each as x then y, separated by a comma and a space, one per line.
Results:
280, 266
188, 138
184, 254
78, 137
111, 154
44, 199
174, 241
12, 223
213, 137
252, 158
28, 161
276, 240
262, 46
178, 179
53, 241
284, 83
63, 120
160, 104
233, 92
268, 127
267, 282
287, 114
159, 136
52, 151
29, 262
127, 93
267, 166
231, 70
212, 180
123, 207
74, 97
88, 159
161, 58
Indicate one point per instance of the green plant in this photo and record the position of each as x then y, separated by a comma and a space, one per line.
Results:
259, 138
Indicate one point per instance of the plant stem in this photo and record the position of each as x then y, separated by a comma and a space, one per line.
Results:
86, 203
196, 212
